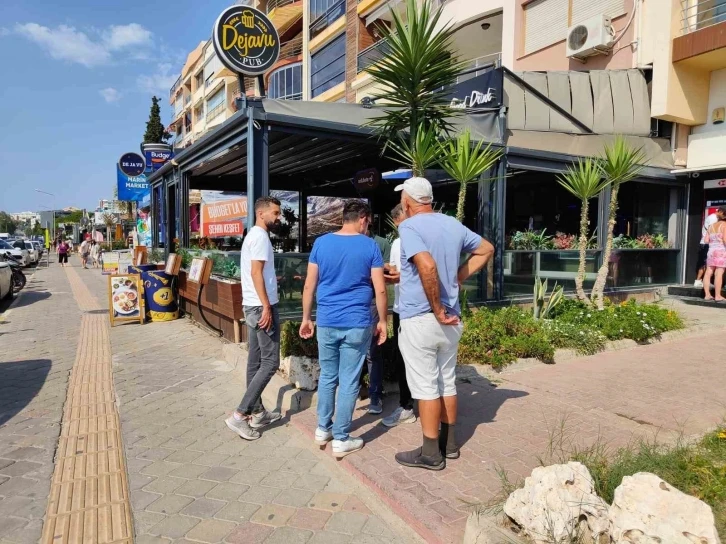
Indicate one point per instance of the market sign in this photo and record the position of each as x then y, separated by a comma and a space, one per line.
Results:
245, 40
132, 164
131, 188
481, 92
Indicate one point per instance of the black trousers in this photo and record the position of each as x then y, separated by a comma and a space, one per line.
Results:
405, 401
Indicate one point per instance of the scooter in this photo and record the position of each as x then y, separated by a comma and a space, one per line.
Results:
19, 278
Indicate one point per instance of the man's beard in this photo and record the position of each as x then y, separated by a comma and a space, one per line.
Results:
273, 226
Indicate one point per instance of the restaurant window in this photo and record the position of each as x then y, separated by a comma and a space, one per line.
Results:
286, 83
328, 66
215, 104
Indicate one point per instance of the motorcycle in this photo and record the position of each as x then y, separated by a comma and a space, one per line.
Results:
19, 278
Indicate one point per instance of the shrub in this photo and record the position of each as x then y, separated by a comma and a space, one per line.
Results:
499, 337
584, 340
291, 345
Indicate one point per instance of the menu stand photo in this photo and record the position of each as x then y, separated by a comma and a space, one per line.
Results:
125, 302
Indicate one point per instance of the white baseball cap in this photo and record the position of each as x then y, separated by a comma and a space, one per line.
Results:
419, 189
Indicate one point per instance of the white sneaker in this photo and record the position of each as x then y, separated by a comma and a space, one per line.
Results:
322, 437
698, 283
400, 415
341, 448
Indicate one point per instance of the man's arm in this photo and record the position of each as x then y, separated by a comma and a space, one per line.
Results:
426, 267
311, 283
379, 288
478, 260
258, 281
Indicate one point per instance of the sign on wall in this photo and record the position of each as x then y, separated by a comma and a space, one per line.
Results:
133, 188
132, 164
245, 40
222, 214
483, 91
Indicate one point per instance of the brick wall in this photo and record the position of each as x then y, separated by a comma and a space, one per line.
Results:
351, 47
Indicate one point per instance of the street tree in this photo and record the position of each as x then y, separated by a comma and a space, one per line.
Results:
155, 131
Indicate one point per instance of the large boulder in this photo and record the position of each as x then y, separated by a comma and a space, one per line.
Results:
647, 510
302, 372
558, 503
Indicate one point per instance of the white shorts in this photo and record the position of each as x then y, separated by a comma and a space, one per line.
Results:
429, 351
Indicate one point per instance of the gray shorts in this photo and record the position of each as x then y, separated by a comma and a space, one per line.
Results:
429, 351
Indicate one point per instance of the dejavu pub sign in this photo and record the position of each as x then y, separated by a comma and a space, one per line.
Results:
245, 40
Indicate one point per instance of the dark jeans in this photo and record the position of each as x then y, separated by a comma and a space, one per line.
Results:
406, 402
263, 359
374, 360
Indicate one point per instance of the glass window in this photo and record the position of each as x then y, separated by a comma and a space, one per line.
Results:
286, 83
319, 7
328, 66
647, 208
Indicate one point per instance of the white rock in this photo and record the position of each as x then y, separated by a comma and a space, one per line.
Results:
647, 510
302, 372
554, 500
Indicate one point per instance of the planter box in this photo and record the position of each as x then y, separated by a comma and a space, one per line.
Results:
221, 302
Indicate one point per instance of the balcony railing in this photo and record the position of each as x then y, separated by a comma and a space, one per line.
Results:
334, 12
175, 86
291, 48
698, 14
372, 54
274, 4
216, 111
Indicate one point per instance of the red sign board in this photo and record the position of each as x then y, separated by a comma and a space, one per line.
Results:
218, 229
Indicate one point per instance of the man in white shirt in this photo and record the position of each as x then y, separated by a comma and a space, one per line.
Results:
85, 251
404, 412
259, 300
711, 219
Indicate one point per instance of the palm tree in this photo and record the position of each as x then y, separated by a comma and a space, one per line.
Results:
585, 181
465, 164
413, 77
621, 163
109, 219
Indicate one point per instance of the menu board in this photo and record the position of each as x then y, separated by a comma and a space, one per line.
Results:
110, 263
124, 298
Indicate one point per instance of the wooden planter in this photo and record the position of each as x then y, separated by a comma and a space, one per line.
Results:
221, 302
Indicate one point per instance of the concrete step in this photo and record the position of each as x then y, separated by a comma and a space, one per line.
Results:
692, 295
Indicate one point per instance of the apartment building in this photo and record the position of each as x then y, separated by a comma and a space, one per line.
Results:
30, 218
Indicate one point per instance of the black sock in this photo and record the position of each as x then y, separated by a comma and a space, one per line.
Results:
447, 437
430, 447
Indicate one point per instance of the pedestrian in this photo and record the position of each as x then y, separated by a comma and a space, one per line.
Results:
63, 249
374, 357
716, 259
95, 251
85, 251
431, 246
344, 272
259, 299
711, 219
404, 412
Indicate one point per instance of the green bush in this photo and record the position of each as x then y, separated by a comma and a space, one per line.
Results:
584, 340
631, 320
291, 345
499, 337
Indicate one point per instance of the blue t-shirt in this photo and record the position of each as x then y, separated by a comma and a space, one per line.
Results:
345, 288
445, 239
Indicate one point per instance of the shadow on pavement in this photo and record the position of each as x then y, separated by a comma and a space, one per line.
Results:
30, 297
20, 382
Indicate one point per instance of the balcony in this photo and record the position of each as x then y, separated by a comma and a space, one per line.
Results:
701, 14
335, 12
284, 13
291, 49
175, 87
702, 43
372, 54
216, 111
272, 5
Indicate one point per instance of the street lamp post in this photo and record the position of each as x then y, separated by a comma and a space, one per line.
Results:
52, 209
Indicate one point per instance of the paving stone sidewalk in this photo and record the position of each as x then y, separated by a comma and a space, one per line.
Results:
38, 335
191, 479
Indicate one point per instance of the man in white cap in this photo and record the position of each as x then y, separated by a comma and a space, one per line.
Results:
431, 244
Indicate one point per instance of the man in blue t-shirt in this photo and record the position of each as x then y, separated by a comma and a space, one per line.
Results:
431, 245
346, 269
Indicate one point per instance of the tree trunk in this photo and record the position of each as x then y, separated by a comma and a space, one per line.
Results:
602, 274
461, 202
580, 278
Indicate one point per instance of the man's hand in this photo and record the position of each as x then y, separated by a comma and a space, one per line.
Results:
265, 322
307, 329
446, 319
392, 276
381, 332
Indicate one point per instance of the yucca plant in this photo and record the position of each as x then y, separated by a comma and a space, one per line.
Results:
413, 77
465, 163
619, 164
543, 308
423, 153
584, 181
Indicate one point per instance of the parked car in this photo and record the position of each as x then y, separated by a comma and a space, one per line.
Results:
20, 253
32, 251
20, 244
6, 280
39, 247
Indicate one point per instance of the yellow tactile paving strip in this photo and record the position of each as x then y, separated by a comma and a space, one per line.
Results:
89, 496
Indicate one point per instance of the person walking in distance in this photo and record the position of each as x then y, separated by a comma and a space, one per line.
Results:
404, 412
259, 299
63, 249
346, 270
431, 245
85, 252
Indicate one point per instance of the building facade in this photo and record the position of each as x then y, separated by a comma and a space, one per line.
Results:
29, 218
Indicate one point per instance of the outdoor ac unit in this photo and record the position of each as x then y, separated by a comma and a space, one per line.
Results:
591, 37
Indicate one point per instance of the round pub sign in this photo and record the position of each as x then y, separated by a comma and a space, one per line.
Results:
245, 40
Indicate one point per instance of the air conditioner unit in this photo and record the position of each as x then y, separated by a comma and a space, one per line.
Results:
591, 37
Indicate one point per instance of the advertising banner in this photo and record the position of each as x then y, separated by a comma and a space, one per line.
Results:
110, 263
222, 214
143, 228
125, 300
155, 159
131, 188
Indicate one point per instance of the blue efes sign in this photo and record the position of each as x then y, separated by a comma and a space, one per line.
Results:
131, 164
133, 188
